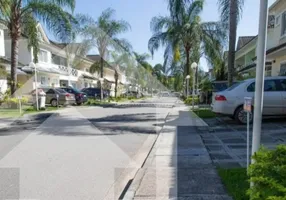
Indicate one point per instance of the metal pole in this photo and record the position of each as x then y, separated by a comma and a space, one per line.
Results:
247, 152
36, 85
193, 92
187, 84
259, 82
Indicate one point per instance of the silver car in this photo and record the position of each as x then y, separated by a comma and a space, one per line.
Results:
230, 101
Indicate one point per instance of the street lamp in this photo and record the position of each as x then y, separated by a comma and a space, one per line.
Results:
259, 81
187, 80
32, 65
101, 90
194, 67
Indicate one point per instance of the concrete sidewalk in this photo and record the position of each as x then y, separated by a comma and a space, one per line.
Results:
179, 166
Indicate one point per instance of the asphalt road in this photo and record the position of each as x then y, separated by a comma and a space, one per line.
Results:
85, 153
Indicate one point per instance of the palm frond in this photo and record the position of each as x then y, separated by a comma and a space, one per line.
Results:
53, 17
224, 9
160, 23
64, 3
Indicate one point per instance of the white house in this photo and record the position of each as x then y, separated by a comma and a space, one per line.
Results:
245, 57
3, 81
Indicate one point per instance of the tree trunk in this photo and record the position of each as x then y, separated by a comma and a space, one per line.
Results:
187, 67
101, 76
15, 32
232, 39
116, 83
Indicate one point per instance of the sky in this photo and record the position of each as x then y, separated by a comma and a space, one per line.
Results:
140, 12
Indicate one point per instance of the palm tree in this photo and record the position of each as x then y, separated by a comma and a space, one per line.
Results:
231, 11
184, 29
104, 35
21, 16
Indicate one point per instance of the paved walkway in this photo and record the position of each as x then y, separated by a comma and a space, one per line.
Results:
179, 166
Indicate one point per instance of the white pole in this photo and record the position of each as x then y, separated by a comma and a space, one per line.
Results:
36, 87
247, 152
260, 69
193, 92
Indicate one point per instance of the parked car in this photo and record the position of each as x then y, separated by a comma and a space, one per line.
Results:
230, 101
80, 97
64, 98
95, 92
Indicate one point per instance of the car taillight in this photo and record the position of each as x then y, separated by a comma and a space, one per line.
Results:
68, 95
220, 98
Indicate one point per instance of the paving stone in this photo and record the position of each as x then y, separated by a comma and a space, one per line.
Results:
227, 164
214, 147
234, 140
219, 156
211, 141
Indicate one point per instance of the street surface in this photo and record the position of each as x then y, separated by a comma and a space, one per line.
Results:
85, 153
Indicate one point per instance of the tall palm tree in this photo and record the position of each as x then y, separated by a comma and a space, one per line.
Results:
231, 11
183, 28
104, 35
21, 16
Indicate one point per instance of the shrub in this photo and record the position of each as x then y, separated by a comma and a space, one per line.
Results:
189, 100
268, 174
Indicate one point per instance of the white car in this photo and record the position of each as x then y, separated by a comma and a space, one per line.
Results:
230, 101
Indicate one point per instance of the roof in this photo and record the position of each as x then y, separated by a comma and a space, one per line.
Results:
274, 4
93, 57
273, 49
244, 40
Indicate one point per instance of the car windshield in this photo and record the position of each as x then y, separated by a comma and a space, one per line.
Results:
76, 90
234, 86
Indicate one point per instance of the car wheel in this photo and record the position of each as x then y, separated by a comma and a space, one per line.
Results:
241, 116
78, 104
54, 103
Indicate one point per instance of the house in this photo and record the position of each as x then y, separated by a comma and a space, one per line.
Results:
246, 52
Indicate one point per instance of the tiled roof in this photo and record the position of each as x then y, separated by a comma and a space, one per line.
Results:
243, 40
93, 57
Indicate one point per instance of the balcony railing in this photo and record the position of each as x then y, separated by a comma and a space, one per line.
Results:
74, 72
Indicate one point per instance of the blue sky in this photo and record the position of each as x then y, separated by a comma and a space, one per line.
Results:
140, 12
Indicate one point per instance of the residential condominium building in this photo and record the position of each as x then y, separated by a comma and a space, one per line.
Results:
245, 58
58, 65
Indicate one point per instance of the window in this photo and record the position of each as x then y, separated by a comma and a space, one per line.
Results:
270, 86
43, 80
251, 87
43, 56
282, 83
50, 91
234, 86
282, 69
277, 20
283, 24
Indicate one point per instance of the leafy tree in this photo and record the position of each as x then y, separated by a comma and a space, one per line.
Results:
21, 17
103, 34
184, 29
231, 11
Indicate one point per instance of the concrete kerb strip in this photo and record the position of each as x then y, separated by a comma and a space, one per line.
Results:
138, 177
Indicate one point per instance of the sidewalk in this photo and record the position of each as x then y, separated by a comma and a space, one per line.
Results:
179, 166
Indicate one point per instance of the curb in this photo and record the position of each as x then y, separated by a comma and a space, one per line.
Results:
131, 191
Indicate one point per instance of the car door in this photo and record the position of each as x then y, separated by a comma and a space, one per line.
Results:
282, 83
272, 102
50, 94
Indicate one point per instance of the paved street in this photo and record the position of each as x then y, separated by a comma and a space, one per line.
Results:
85, 153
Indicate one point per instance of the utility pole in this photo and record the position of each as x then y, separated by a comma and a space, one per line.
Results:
259, 81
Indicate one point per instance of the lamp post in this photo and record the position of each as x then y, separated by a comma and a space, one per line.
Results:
259, 81
34, 66
194, 67
101, 89
187, 83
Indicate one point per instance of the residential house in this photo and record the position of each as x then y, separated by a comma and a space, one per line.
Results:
3, 81
246, 53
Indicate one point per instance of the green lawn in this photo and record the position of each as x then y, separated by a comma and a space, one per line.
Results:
204, 113
235, 181
14, 113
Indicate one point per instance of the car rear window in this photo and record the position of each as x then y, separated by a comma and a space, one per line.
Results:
60, 90
234, 86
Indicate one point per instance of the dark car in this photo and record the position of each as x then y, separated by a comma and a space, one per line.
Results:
95, 92
80, 97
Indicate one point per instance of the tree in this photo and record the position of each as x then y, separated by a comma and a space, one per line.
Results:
103, 34
231, 11
184, 29
21, 16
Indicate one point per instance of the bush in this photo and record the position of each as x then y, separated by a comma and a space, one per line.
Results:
268, 174
189, 100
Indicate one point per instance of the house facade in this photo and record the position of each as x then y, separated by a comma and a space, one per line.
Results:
246, 52
58, 65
